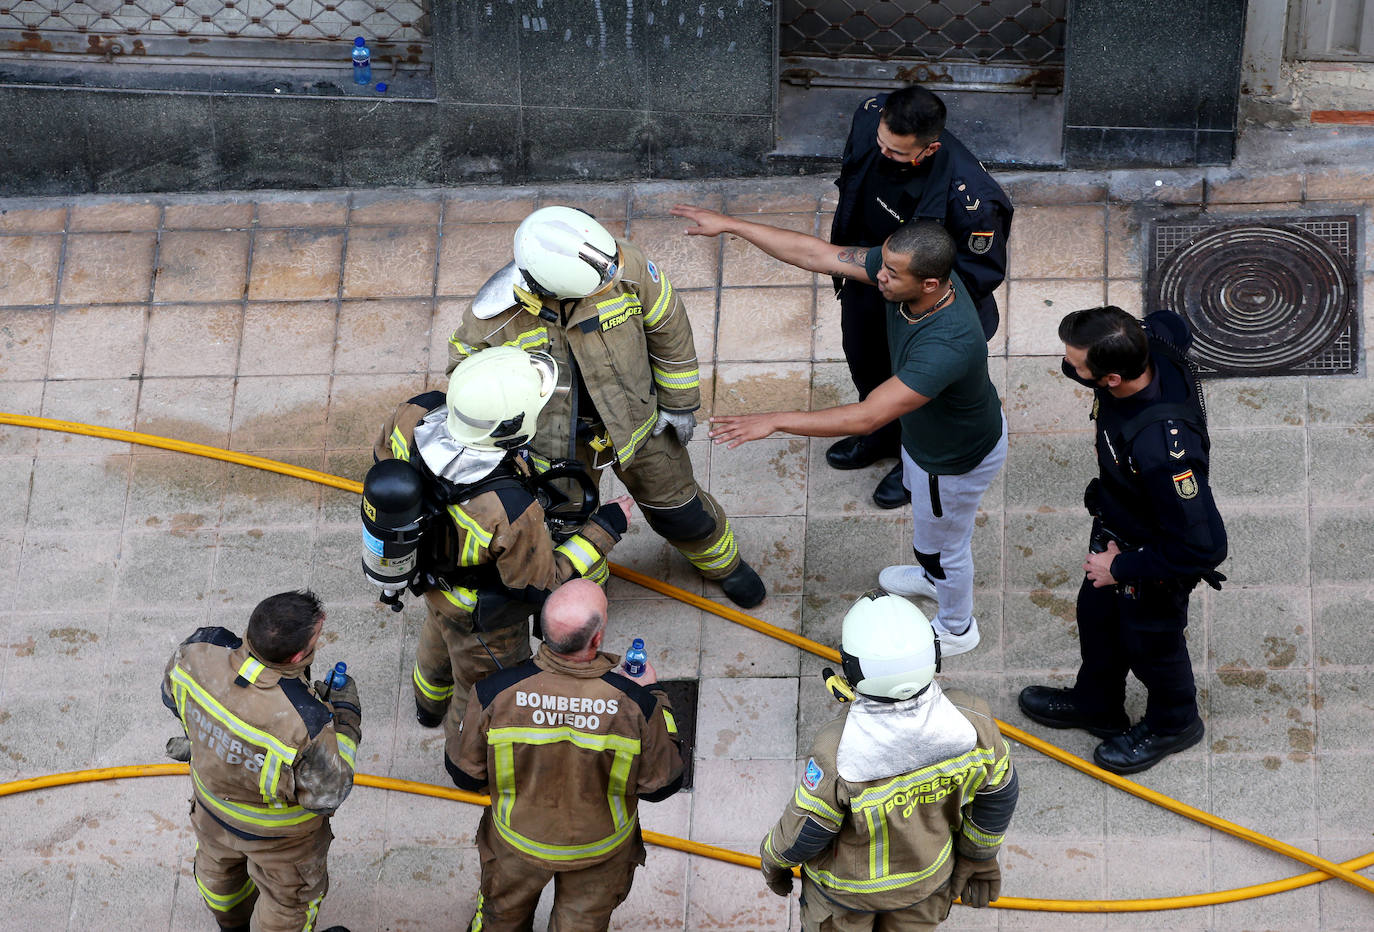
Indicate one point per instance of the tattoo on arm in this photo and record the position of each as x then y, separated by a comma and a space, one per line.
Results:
854, 255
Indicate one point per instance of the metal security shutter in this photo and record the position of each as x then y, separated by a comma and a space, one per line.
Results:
1331, 30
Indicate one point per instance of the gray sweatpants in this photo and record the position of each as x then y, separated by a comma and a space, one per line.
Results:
943, 509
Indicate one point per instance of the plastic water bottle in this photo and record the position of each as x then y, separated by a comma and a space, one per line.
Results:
362, 62
337, 677
635, 659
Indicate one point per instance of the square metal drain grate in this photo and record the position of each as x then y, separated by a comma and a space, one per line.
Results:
683, 694
1264, 295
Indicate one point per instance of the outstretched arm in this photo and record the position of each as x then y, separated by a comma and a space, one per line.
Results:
884, 404
805, 252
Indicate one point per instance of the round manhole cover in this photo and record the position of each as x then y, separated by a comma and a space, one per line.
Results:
1259, 297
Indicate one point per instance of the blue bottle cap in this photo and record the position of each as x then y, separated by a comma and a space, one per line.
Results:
360, 41
638, 644
381, 87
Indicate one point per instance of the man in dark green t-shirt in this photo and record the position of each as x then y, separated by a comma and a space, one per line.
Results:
954, 437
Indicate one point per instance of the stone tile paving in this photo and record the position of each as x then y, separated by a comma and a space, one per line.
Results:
288, 325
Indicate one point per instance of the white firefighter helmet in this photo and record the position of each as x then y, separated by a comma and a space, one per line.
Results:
888, 647
565, 252
495, 396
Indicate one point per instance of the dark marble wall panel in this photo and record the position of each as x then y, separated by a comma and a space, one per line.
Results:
1173, 69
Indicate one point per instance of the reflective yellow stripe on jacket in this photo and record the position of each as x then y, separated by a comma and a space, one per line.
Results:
580, 553
626, 452
475, 540
503, 741
660, 307
679, 380
876, 806
277, 753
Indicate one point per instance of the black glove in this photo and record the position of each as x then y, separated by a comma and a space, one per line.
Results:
612, 517
347, 707
977, 883
778, 879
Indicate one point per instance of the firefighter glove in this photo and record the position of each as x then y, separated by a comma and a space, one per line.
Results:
347, 707
684, 424
179, 748
977, 883
779, 880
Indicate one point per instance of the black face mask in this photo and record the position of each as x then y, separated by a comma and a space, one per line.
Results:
1069, 371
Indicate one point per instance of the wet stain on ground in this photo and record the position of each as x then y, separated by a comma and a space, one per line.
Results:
1054, 604
1052, 579
1279, 652
1272, 763
1250, 679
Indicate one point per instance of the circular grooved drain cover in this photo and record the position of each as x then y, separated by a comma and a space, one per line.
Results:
1257, 297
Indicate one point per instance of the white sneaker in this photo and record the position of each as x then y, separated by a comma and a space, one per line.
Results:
951, 644
907, 580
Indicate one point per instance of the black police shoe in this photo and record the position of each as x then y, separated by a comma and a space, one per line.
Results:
426, 718
890, 493
1141, 748
336, 929
1052, 706
743, 586
853, 453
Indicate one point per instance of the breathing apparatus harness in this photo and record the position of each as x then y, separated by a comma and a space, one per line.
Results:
408, 537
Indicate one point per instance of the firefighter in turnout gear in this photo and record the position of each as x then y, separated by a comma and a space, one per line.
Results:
906, 798
612, 319
567, 745
488, 552
271, 760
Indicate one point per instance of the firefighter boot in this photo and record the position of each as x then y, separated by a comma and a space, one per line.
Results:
743, 586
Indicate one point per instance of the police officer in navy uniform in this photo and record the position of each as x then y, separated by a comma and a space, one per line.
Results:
900, 164
1156, 533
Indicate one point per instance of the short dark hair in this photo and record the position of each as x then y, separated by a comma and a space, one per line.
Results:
914, 111
578, 639
929, 246
1115, 341
281, 626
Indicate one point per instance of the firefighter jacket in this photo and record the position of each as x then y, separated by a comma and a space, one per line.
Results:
500, 541
268, 757
1153, 494
567, 749
628, 347
891, 792
954, 191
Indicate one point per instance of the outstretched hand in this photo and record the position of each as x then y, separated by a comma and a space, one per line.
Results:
734, 429
707, 222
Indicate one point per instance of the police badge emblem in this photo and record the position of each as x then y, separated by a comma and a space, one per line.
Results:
979, 243
1185, 484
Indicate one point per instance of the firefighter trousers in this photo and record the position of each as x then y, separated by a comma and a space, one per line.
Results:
450, 658
659, 478
277, 882
583, 900
819, 914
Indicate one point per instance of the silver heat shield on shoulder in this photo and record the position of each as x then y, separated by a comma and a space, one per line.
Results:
498, 294
884, 739
446, 457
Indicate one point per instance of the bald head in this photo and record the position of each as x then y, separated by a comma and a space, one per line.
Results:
573, 616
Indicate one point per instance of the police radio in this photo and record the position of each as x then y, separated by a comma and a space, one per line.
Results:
393, 522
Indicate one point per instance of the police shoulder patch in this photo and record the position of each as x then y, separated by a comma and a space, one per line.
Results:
980, 242
653, 271
814, 774
1185, 484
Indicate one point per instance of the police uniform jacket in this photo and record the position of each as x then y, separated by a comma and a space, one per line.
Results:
502, 530
1152, 453
871, 839
955, 191
630, 345
566, 750
268, 757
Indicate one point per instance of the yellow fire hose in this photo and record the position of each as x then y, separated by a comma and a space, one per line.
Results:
1324, 868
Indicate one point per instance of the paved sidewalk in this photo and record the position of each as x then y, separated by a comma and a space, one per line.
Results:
288, 325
